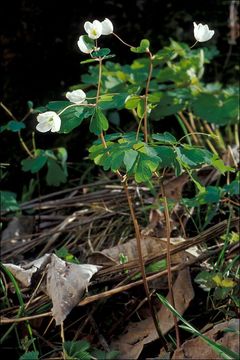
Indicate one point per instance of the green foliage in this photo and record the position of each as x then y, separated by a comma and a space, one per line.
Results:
98, 122
216, 108
13, 126
30, 355
77, 350
8, 201
64, 254
142, 48
35, 164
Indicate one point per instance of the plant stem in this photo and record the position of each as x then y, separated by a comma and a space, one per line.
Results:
169, 271
145, 124
25, 146
188, 126
131, 208
118, 37
141, 261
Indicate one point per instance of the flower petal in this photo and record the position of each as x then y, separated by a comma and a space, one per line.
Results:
56, 123
202, 32
87, 26
44, 127
82, 46
107, 27
76, 96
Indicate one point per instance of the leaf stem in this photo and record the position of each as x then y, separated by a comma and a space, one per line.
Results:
169, 271
150, 69
118, 37
141, 261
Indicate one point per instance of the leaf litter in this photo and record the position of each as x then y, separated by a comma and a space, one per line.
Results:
96, 228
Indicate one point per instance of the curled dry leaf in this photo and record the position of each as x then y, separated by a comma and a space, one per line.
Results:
64, 283
138, 334
150, 245
225, 334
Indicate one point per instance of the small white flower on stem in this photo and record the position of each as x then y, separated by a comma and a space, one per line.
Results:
107, 27
202, 32
76, 96
94, 29
48, 121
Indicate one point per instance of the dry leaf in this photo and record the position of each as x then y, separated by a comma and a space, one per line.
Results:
24, 273
64, 283
150, 245
198, 349
131, 343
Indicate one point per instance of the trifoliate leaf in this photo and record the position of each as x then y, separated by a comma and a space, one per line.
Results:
144, 47
99, 122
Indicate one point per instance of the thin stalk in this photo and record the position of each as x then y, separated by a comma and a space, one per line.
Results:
25, 146
133, 216
188, 126
169, 271
118, 37
145, 123
236, 134
141, 261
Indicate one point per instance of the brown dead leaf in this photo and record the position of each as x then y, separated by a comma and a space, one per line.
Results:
64, 283
24, 273
131, 343
150, 245
198, 349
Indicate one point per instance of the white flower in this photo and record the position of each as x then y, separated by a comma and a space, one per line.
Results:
48, 121
107, 27
94, 29
202, 32
83, 46
76, 96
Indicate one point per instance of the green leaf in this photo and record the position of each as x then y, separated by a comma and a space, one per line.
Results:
132, 102
165, 138
168, 105
141, 108
99, 122
8, 201
211, 194
101, 53
219, 165
216, 109
193, 157
233, 188
30, 355
167, 156
144, 47
157, 266
35, 164
57, 105
130, 157
13, 126
55, 175
78, 350
73, 117
145, 166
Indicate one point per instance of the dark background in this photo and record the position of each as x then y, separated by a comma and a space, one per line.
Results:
40, 58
